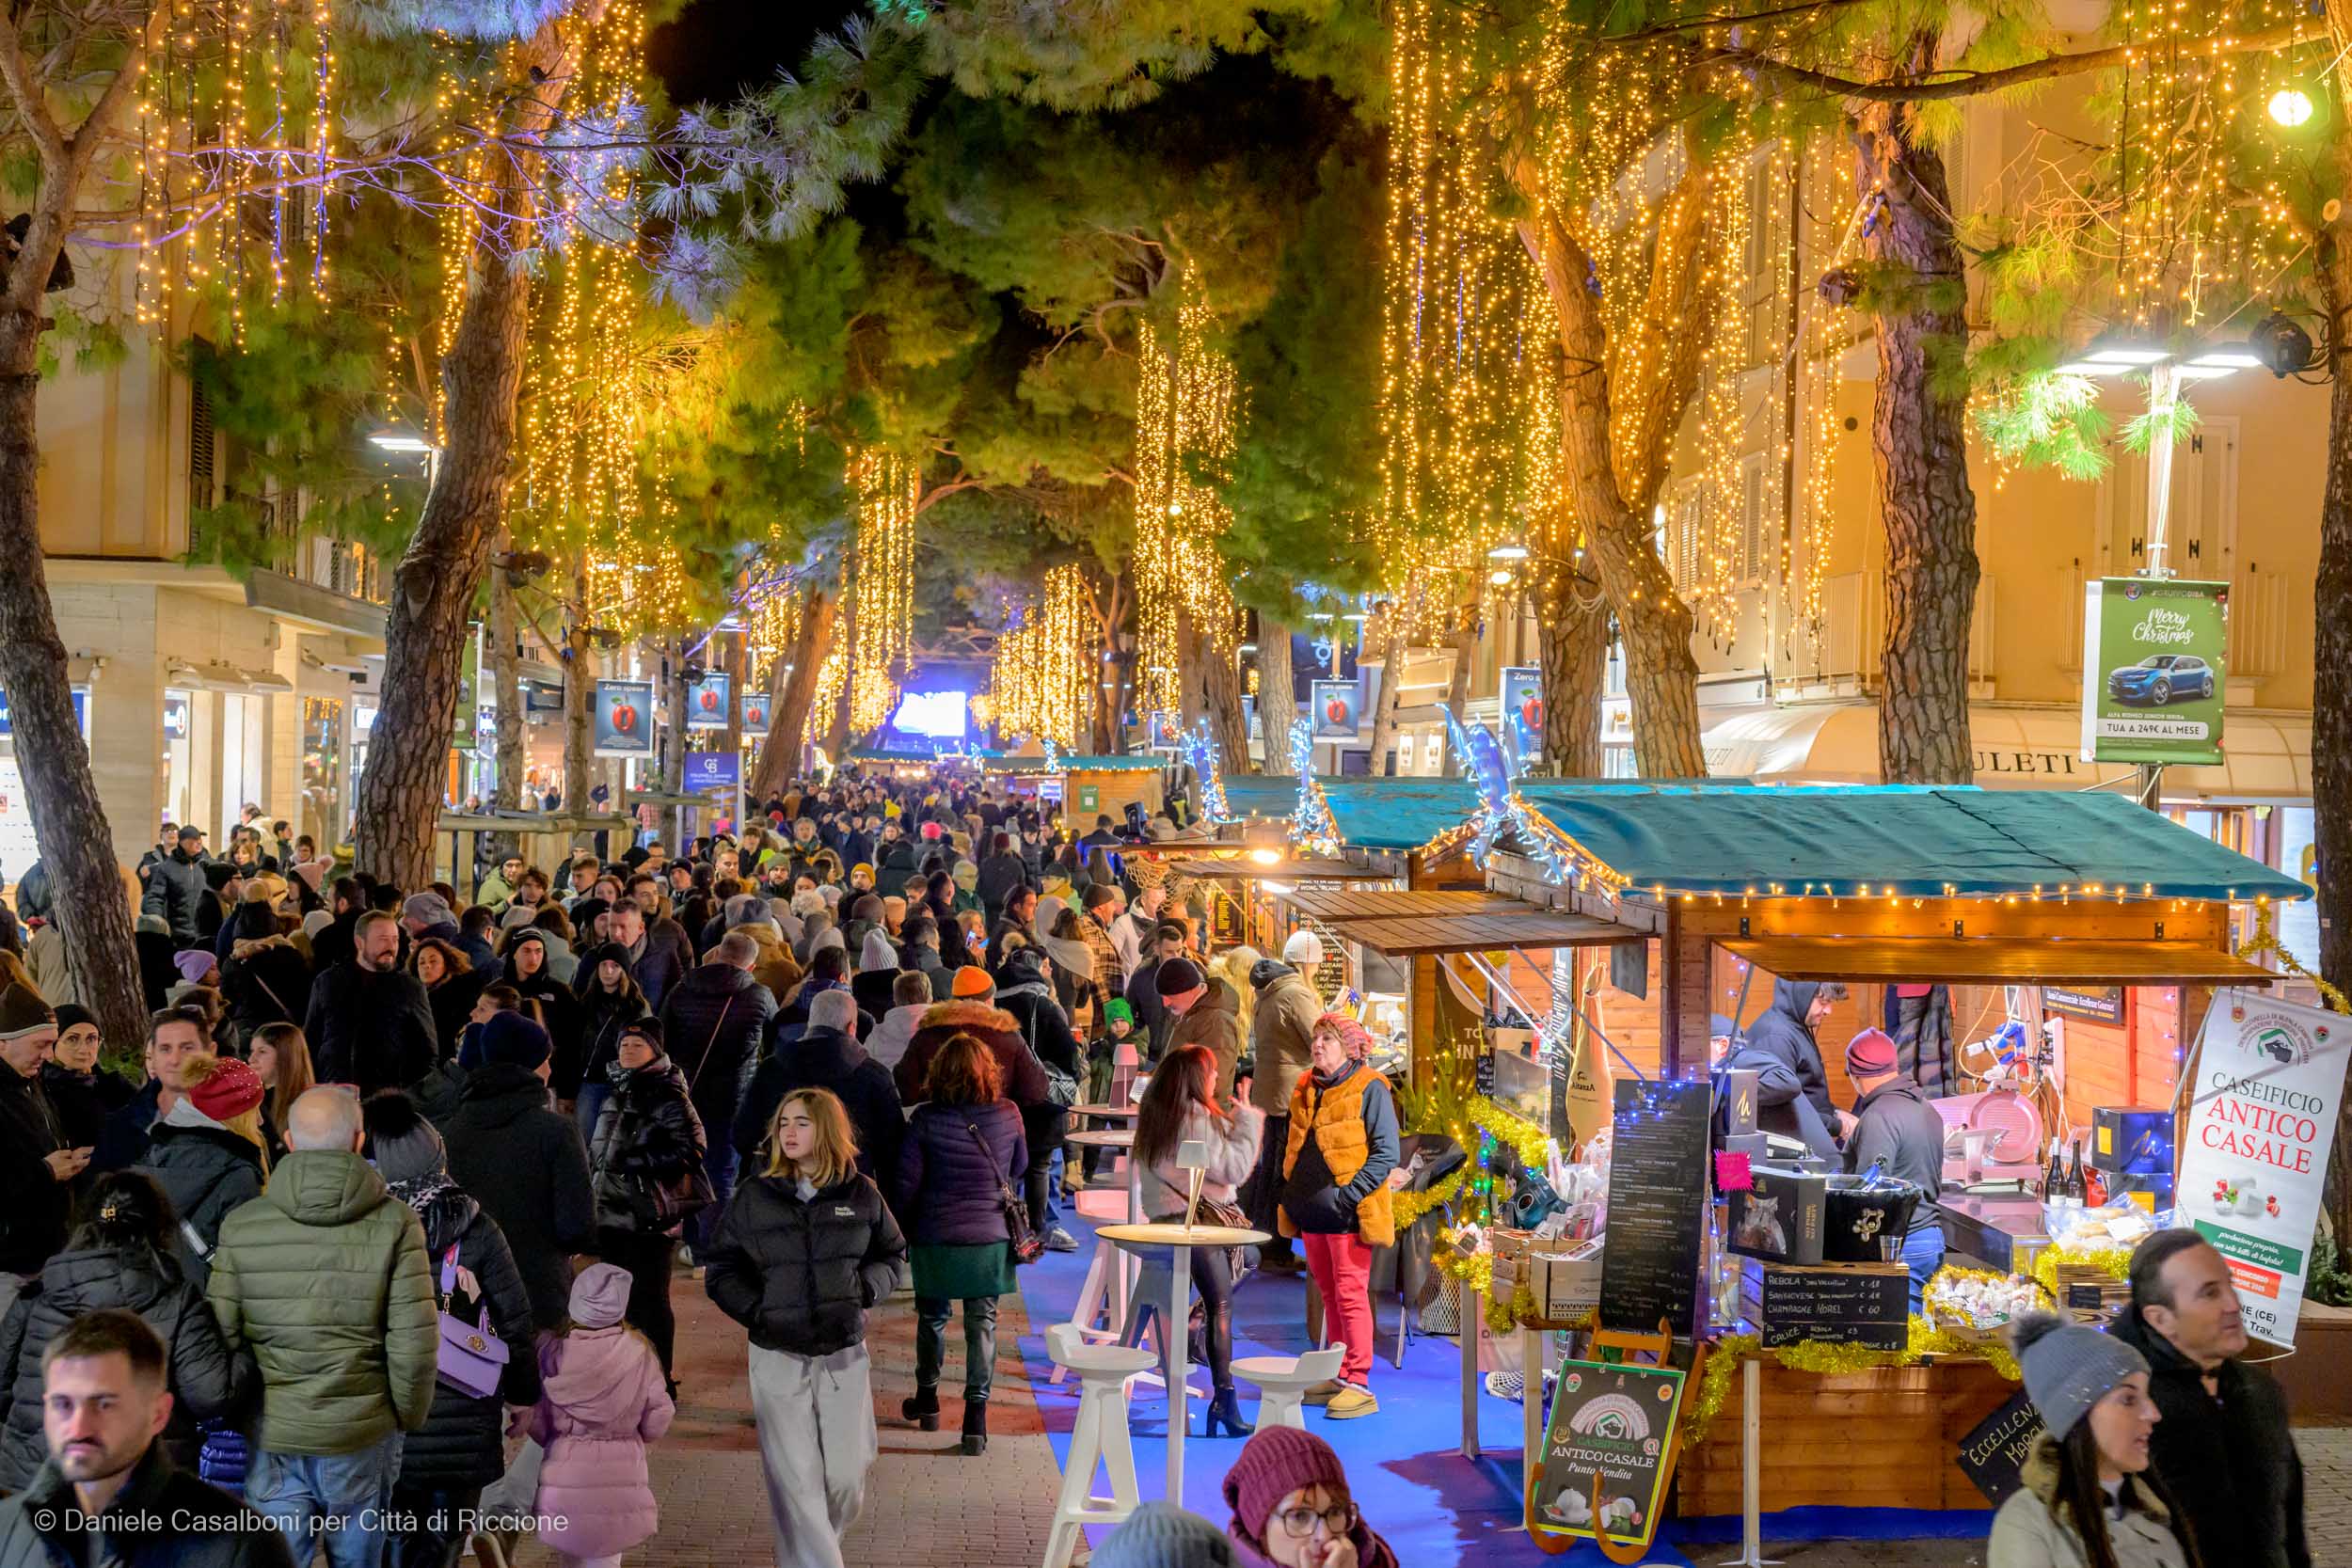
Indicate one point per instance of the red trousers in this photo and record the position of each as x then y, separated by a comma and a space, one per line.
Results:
1342, 1267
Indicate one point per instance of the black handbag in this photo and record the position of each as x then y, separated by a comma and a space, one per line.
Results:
1026, 1244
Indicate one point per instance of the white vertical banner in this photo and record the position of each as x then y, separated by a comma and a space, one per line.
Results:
2261, 1122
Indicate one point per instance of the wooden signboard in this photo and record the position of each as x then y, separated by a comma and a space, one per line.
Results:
1607, 1450
1992, 1454
1657, 1205
2091, 1004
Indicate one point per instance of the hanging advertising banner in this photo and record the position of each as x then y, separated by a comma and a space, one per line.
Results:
711, 770
2269, 1082
706, 701
1523, 711
623, 719
2152, 678
1337, 709
756, 706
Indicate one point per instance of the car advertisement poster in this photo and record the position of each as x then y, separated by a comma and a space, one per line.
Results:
623, 718
1604, 1465
2153, 676
1523, 711
756, 708
2269, 1080
1336, 708
706, 701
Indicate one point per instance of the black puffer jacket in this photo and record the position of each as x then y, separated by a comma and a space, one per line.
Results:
34, 1530
798, 1275
82, 1101
265, 981
177, 892
648, 1128
603, 1014
525, 1165
206, 1378
461, 1444
33, 1212
2227, 1459
206, 1172
828, 1059
370, 1027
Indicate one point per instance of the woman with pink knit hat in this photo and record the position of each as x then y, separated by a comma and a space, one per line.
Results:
1292, 1507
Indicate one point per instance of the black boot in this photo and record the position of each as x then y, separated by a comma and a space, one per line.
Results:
923, 1409
974, 1426
1225, 1410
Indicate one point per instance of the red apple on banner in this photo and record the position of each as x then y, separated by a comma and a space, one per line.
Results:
710, 701
756, 716
624, 718
1335, 710
1532, 712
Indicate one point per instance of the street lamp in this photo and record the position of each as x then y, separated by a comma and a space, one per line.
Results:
396, 439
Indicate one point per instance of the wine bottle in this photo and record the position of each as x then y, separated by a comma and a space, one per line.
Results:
2074, 1189
2051, 1175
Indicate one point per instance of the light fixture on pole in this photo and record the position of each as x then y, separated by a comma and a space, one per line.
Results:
2166, 367
396, 439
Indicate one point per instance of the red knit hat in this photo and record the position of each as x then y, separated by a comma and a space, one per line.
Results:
1276, 1461
226, 1088
1869, 1053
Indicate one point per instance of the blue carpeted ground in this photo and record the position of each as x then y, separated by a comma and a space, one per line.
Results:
1433, 1505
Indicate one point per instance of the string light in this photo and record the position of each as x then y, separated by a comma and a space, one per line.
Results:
1038, 679
1187, 403
888, 486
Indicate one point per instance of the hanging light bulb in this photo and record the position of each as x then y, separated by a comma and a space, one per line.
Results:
2290, 106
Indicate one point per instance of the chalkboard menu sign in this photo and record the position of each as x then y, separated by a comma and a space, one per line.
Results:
1843, 1304
1649, 1265
1992, 1454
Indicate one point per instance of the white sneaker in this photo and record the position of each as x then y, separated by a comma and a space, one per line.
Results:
1059, 1239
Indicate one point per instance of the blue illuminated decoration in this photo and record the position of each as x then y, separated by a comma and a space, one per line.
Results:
1311, 823
1200, 751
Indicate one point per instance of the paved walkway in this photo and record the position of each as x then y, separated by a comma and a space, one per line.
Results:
928, 1505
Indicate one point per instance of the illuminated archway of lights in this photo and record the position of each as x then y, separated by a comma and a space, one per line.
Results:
888, 485
1038, 680
1187, 401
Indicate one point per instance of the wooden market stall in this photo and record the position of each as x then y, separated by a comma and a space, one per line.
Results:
1084, 786
2010, 895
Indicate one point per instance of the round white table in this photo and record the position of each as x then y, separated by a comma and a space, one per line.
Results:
1107, 1113
1179, 1239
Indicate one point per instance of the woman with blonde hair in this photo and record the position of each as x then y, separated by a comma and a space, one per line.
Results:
805, 1249
209, 1153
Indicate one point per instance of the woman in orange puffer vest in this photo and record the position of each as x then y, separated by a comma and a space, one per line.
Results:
1342, 1146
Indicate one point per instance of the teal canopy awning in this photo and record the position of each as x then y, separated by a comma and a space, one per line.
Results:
1270, 796
1397, 813
1916, 841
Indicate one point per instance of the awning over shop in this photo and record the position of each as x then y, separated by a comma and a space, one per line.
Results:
1244, 868
1994, 961
1264, 797
1478, 933
1888, 840
1397, 813
1398, 903
2016, 746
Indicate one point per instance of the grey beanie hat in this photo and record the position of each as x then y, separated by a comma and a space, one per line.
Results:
744, 909
1161, 1535
2069, 1367
401, 1144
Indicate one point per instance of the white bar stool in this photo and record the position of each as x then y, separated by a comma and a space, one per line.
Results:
1099, 1437
1284, 1381
1102, 1309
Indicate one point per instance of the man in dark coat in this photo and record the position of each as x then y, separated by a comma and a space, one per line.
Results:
828, 1056
173, 1036
1895, 1127
177, 890
39, 1167
1000, 873
656, 966
524, 1163
713, 1024
106, 1398
1780, 1049
1154, 1023
369, 1022
2222, 1448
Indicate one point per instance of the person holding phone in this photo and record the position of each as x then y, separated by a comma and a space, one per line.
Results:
40, 1168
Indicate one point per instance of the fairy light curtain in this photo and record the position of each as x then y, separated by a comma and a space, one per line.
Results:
888, 486
1040, 679
1187, 401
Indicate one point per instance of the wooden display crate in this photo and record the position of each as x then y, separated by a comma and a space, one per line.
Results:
1883, 1439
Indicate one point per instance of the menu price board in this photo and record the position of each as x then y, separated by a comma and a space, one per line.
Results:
2093, 1004
1657, 1205
1610, 1425
1849, 1303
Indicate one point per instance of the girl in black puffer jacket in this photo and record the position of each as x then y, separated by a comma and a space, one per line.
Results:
802, 1251
648, 1135
445, 1464
120, 1257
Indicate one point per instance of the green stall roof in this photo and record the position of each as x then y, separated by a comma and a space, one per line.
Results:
1396, 814
1918, 842
1271, 796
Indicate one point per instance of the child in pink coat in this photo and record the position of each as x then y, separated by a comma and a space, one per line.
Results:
602, 1399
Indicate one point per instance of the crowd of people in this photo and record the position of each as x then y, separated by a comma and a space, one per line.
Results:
378, 1244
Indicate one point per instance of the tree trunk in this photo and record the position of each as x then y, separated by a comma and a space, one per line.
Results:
1464, 637
674, 700
92, 908
1393, 652
1189, 675
837, 722
400, 793
506, 679
580, 695
1220, 682
1613, 509
787, 716
2331, 645
1572, 648
1277, 694
1918, 441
